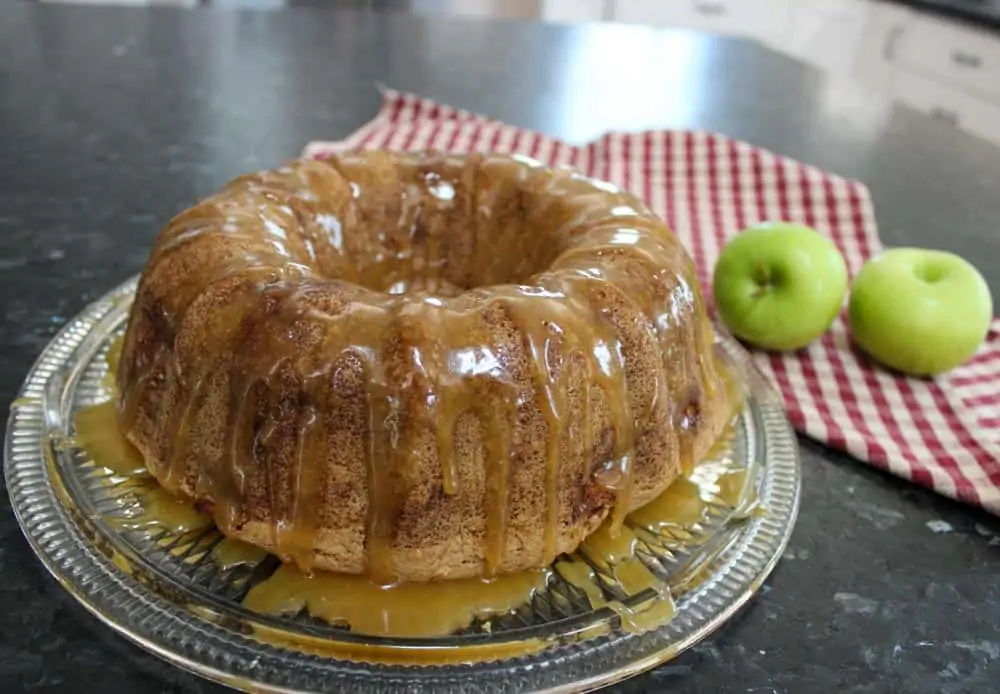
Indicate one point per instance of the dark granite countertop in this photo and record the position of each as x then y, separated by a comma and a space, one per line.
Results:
114, 119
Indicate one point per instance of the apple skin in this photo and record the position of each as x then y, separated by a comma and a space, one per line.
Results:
922, 312
779, 285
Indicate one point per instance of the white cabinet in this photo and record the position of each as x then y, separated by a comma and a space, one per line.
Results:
574, 10
946, 69
873, 63
762, 19
507, 9
949, 104
952, 53
826, 33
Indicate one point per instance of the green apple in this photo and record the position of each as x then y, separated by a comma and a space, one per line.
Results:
779, 285
919, 311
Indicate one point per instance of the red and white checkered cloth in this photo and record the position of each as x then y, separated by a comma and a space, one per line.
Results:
943, 434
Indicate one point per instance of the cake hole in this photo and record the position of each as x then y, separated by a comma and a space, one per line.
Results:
429, 230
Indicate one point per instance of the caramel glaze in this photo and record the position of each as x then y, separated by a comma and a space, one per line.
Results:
418, 366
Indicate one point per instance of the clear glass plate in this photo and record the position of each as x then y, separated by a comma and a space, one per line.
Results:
164, 591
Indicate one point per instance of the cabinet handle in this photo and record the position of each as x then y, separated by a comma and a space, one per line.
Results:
891, 39
966, 59
710, 8
944, 114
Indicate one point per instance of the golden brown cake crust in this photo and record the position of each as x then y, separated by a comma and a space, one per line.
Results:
418, 366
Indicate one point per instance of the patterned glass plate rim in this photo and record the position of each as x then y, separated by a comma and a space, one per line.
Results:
156, 610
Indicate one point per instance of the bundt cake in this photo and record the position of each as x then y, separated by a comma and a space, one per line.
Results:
418, 366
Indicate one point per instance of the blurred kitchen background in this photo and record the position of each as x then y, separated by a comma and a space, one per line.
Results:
941, 57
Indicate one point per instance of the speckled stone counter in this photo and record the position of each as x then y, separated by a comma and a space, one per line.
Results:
113, 119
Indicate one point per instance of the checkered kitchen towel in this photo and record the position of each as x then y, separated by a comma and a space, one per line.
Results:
942, 434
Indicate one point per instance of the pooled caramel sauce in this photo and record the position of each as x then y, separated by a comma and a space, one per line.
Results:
614, 552
403, 610
161, 509
606, 558
113, 358
681, 505
97, 433
400, 272
686, 502
443, 607
228, 554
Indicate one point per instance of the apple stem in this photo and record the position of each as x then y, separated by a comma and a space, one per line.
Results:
763, 279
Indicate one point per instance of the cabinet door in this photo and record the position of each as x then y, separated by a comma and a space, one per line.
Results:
760, 19
885, 26
826, 33
574, 10
948, 104
664, 13
954, 53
